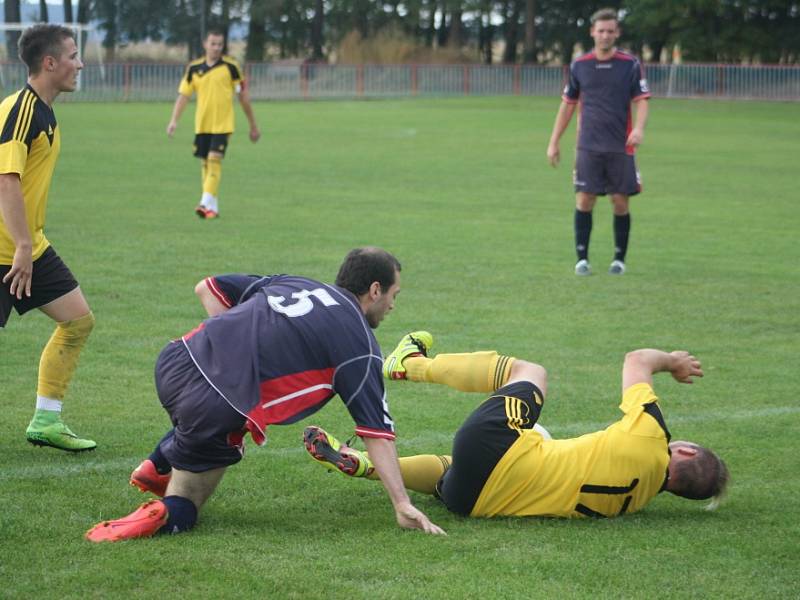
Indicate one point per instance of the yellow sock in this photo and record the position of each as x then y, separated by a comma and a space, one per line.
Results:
421, 472
213, 176
203, 170
468, 372
60, 356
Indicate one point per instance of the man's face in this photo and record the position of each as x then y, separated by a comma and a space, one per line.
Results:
213, 46
383, 304
605, 34
65, 67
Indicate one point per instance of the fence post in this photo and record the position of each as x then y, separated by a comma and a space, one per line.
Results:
466, 80
360, 81
127, 82
304, 80
517, 83
414, 80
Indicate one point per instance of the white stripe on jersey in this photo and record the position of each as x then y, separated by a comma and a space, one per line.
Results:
303, 392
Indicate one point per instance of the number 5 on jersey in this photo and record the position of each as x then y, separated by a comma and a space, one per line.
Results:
304, 304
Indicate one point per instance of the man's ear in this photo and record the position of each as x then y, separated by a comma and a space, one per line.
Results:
375, 290
686, 450
49, 63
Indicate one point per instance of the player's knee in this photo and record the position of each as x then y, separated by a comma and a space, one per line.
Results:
201, 289
77, 330
522, 370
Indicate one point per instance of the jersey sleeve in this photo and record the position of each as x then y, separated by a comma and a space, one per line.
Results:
642, 413
234, 288
186, 86
237, 76
639, 88
359, 383
16, 135
572, 90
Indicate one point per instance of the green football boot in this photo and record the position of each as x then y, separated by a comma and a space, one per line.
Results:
57, 435
412, 344
335, 456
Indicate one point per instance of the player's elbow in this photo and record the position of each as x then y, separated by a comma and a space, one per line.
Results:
201, 289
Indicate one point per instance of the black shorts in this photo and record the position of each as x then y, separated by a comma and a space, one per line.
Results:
483, 439
604, 173
51, 279
210, 142
208, 431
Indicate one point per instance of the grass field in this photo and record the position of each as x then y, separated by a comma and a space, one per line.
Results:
460, 191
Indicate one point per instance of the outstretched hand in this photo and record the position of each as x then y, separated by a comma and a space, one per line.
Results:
685, 366
409, 517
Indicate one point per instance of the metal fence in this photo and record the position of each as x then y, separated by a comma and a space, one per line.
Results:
129, 82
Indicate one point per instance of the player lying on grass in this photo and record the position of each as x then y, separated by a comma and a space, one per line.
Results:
280, 354
500, 465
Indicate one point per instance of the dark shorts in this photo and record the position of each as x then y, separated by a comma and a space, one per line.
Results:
604, 173
483, 439
208, 431
51, 279
210, 142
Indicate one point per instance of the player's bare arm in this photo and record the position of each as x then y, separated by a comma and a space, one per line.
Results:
641, 365
563, 117
210, 302
383, 455
12, 208
636, 136
177, 110
247, 107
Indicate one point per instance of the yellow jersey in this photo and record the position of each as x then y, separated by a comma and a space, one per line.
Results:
603, 474
29, 145
215, 86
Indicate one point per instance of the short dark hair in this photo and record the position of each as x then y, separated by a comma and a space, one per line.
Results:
705, 476
363, 266
214, 31
42, 40
604, 14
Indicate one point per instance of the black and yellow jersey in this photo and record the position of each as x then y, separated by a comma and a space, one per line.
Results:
603, 474
29, 145
215, 86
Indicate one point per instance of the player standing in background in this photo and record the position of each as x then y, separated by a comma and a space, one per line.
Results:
285, 347
33, 275
605, 82
502, 466
215, 78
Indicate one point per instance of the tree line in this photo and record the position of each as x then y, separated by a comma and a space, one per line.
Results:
532, 31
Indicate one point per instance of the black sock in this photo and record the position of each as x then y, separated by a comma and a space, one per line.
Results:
181, 514
583, 230
622, 229
159, 460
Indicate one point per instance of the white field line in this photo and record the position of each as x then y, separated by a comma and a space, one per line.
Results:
89, 462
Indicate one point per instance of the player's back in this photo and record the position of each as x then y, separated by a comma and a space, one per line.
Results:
600, 474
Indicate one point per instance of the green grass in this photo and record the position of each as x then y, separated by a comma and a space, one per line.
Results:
461, 192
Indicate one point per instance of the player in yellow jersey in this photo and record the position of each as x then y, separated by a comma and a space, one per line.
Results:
215, 78
503, 464
32, 274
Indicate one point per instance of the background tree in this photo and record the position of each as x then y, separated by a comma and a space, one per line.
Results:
11, 10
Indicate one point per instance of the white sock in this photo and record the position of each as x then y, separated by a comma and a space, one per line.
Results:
206, 200
43, 403
212, 203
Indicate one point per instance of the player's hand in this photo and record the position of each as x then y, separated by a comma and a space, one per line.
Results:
21, 273
255, 134
409, 517
685, 366
171, 127
635, 138
553, 154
